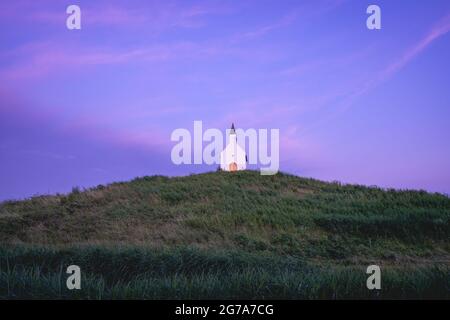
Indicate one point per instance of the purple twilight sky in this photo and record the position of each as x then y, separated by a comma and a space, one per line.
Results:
97, 105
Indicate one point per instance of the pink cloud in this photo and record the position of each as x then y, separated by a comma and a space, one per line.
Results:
40, 59
90, 128
439, 30
35, 60
145, 140
155, 16
304, 11
283, 22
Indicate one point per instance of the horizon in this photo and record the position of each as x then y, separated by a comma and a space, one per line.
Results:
80, 108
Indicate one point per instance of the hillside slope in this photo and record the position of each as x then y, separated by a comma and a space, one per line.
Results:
222, 215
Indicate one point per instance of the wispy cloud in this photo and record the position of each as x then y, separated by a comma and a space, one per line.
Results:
46, 154
441, 28
263, 30
40, 59
87, 128
303, 11
155, 16
35, 60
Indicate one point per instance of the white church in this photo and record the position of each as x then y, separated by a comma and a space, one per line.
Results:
233, 157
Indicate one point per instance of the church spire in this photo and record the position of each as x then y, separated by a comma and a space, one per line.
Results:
232, 131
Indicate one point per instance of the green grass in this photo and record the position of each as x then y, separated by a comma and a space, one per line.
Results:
222, 235
131, 273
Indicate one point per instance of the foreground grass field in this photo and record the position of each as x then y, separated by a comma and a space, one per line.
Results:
222, 235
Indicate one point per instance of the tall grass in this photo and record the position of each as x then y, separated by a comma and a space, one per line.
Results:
185, 273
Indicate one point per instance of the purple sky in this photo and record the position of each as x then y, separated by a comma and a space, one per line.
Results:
97, 105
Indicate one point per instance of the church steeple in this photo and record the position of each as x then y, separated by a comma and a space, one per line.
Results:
232, 131
233, 157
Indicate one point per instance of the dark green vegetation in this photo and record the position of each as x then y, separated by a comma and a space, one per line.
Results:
222, 235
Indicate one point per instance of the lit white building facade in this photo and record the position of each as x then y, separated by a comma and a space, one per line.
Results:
233, 157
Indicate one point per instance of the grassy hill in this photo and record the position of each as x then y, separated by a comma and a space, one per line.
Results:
227, 235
